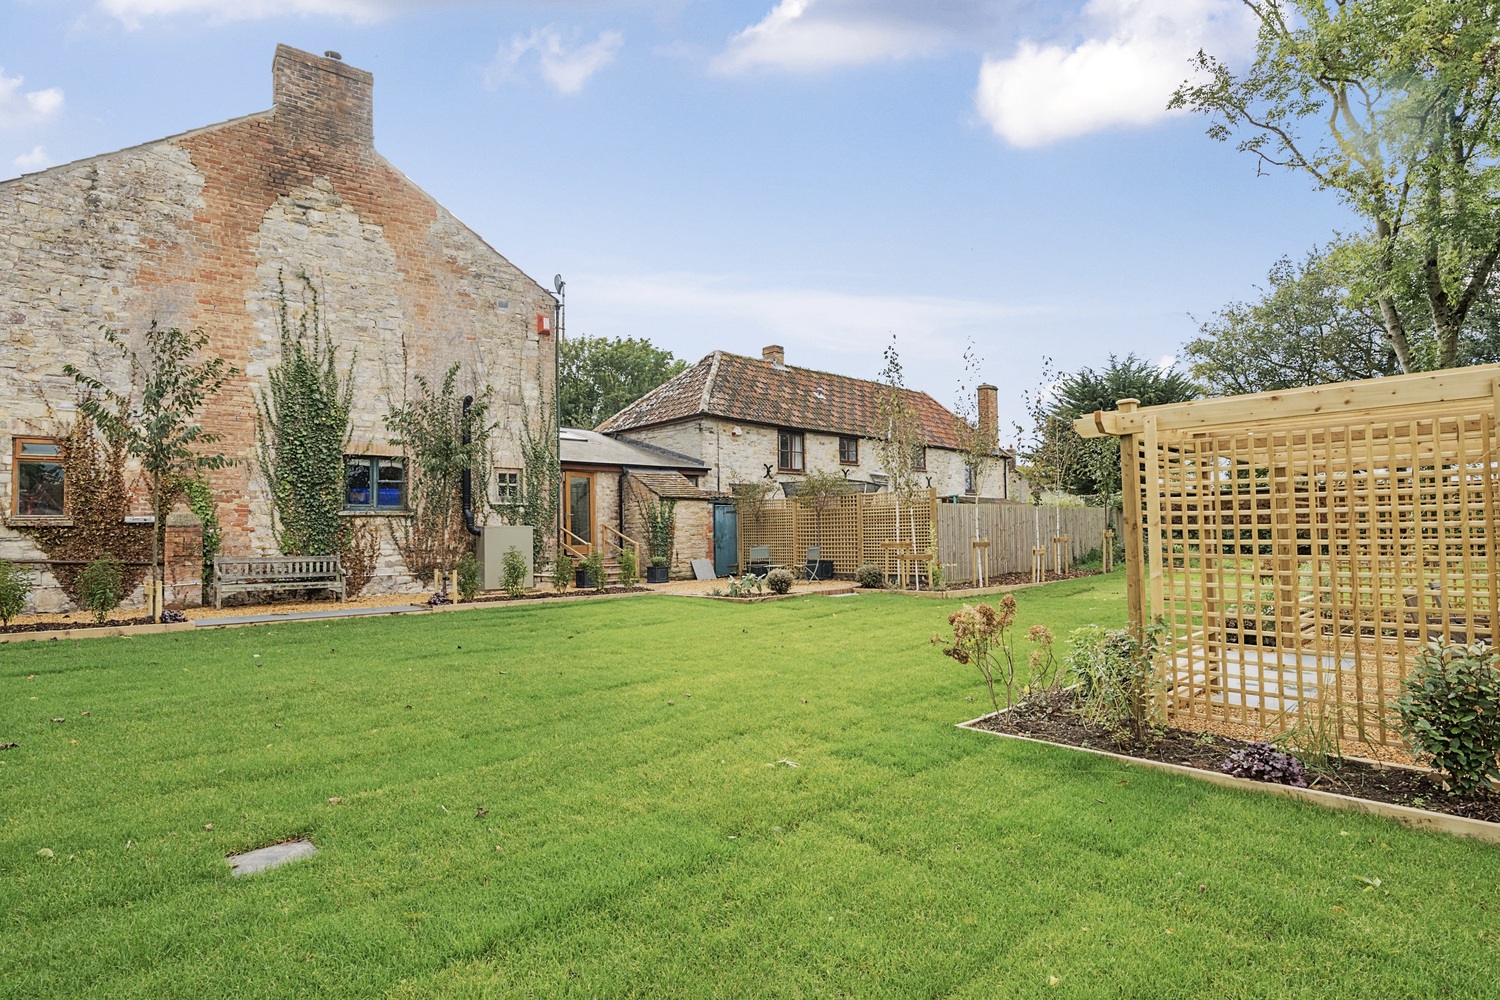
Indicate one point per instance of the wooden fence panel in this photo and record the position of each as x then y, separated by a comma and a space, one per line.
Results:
1012, 529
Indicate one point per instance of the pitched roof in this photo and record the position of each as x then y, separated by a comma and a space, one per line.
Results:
673, 486
759, 392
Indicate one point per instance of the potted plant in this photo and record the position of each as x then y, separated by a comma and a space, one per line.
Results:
661, 524
590, 574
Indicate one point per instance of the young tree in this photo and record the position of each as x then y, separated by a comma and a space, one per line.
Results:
598, 377
899, 434
442, 438
155, 418
1392, 105
981, 448
302, 426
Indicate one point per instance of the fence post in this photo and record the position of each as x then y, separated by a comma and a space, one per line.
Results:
1130, 486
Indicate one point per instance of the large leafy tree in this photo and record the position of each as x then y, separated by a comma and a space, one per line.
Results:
1058, 460
1309, 326
598, 377
1392, 104
154, 418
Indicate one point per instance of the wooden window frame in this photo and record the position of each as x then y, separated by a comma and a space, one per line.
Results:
17, 443
375, 506
800, 452
852, 451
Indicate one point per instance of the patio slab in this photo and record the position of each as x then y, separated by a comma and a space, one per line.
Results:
270, 857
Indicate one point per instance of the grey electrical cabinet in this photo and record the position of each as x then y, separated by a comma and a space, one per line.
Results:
494, 542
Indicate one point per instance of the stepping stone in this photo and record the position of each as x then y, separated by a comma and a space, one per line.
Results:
270, 857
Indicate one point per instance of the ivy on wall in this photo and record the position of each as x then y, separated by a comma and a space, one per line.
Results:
97, 502
200, 500
441, 439
541, 478
302, 426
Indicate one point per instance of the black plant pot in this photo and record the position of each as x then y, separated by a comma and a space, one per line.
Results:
657, 574
582, 580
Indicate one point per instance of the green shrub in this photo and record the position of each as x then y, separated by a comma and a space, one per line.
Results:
1449, 711
593, 565
1116, 677
936, 577
513, 573
470, 581
15, 588
101, 585
564, 568
870, 576
746, 585
779, 581
629, 571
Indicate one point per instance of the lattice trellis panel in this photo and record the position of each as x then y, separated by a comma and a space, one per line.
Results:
1298, 565
849, 530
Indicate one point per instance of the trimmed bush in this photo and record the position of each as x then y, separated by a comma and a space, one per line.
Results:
779, 581
101, 585
15, 588
470, 582
870, 576
513, 573
563, 571
1449, 711
629, 571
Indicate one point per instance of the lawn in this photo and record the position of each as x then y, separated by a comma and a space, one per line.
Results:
641, 836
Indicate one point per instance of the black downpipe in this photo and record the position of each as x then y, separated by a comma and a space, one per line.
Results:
467, 481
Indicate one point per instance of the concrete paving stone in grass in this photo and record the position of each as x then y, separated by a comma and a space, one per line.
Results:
270, 857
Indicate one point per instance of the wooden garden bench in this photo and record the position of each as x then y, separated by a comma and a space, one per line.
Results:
243, 576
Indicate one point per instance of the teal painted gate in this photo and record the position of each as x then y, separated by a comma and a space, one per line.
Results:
726, 539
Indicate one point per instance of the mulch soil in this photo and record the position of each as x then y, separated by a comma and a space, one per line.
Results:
544, 595
1056, 720
60, 626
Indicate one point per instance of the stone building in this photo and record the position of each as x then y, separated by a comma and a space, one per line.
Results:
606, 482
749, 419
200, 231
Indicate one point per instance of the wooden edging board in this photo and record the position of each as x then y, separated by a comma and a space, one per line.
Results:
98, 632
1420, 819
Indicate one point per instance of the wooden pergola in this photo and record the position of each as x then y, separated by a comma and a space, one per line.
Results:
1299, 546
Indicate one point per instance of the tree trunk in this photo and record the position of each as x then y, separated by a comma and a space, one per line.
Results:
1395, 330
156, 530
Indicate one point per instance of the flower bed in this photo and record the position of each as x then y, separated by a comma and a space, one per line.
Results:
1054, 720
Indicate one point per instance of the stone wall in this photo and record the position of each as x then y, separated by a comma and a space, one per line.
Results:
196, 231
692, 538
740, 452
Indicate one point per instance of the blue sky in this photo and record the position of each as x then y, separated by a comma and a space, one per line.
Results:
815, 173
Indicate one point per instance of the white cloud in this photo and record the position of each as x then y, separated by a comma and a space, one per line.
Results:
18, 107
35, 160
812, 35
566, 70
1133, 55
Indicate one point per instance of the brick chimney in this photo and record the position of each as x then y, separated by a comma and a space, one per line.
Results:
773, 353
321, 100
989, 412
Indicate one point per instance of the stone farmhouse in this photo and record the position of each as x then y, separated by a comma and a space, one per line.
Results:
200, 231
748, 419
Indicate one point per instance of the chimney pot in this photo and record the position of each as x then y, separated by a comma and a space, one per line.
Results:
320, 100
773, 353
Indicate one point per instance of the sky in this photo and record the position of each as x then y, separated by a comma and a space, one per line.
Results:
726, 174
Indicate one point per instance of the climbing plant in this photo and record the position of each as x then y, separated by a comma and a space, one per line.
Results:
200, 500
154, 418
97, 502
441, 438
301, 427
535, 501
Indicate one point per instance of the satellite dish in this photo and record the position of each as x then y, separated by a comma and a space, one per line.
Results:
558, 283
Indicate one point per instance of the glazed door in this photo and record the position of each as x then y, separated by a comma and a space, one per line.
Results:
578, 508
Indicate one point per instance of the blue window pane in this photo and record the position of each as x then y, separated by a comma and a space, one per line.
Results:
357, 483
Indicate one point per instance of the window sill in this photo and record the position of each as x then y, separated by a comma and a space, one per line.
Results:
31, 521
792, 472
384, 512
